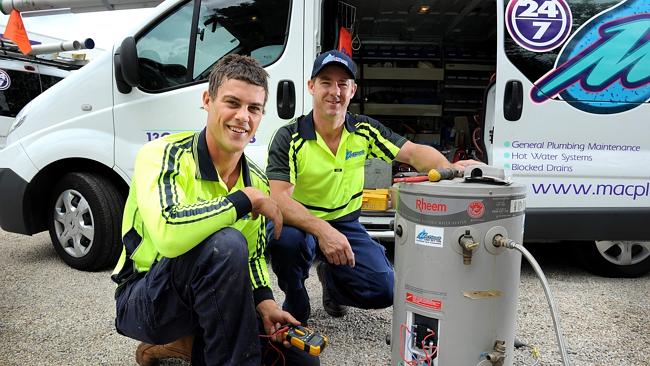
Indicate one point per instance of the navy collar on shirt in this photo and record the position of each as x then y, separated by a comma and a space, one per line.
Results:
206, 167
307, 130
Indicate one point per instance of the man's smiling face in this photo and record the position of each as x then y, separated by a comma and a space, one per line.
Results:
234, 114
332, 89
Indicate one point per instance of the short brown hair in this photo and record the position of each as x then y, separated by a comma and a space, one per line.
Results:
238, 67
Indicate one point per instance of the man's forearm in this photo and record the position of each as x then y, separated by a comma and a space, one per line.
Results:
430, 159
295, 214
423, 158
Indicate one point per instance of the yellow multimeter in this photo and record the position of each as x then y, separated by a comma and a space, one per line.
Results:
306, 339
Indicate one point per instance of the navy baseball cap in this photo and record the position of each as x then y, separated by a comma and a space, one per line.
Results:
331, 58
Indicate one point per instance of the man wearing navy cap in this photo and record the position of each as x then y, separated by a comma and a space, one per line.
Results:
316, 174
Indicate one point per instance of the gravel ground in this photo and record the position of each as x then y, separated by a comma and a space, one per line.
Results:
51, 314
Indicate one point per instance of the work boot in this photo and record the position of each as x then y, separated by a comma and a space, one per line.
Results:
149, 354
331, 307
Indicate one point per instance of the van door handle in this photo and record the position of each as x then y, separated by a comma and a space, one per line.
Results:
286, 99
513, 100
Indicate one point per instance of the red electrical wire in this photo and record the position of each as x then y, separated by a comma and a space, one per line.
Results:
284, 362
275, 334
402, 330
434, 349
475, 139
460, 154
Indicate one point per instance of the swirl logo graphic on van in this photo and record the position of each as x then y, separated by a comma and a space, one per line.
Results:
605, 67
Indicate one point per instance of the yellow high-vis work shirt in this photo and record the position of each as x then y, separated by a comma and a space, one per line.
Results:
177, 200
329, 185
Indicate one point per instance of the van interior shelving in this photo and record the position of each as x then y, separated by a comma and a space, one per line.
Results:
423, 65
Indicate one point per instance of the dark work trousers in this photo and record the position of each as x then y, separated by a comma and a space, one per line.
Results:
206, 292
369, 285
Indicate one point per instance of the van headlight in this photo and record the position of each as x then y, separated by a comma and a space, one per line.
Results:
20, 119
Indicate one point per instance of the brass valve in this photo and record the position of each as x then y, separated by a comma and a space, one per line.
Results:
468, 244
498, 356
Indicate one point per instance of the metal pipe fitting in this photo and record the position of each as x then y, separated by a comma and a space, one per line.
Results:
468, 244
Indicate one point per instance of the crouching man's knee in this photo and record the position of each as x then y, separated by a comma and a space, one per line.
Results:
227, 246
380, 291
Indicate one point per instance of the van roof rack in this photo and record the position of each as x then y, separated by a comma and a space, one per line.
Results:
9, 50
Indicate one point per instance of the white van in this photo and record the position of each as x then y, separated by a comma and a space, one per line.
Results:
554, 91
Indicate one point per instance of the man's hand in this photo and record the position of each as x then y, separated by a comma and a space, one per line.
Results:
265, 206
335, 246
460, 165
273, 318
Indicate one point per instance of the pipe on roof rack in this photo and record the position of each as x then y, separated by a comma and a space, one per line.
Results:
41, 49
74, 6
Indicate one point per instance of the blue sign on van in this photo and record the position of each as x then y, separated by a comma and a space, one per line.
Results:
605, 67
5, 80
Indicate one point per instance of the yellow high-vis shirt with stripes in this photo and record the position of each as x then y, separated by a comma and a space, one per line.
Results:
177, 200
330, 185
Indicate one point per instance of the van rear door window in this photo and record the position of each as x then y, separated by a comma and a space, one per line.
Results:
48, 81
24, 87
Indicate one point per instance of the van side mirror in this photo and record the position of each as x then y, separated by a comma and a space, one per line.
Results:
127, 66
121, 84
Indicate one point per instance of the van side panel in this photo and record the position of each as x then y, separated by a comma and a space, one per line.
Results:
13, 184
587, 224
73, 119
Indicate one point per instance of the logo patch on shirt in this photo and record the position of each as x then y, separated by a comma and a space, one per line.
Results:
353, 154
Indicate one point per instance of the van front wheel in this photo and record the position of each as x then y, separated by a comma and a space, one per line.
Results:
618, 258
85, 215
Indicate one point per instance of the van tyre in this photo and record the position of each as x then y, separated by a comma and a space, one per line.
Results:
84, 220
616, 258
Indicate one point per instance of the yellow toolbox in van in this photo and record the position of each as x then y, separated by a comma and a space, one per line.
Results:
375, 200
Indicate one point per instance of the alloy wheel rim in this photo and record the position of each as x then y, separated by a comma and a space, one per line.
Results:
73, 223
624, 253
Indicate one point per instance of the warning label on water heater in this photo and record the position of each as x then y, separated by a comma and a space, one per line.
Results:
429, 236
423, 301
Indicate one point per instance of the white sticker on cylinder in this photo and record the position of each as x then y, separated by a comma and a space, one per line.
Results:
517, 205
429, 236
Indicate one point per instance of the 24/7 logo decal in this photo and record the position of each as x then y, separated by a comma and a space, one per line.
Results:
538, 25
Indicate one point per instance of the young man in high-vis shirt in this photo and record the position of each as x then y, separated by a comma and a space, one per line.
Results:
194, 236
316, 174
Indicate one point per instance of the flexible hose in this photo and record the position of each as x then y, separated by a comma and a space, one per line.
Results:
508, 243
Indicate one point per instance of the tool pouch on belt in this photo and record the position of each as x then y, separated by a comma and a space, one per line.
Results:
128, 273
